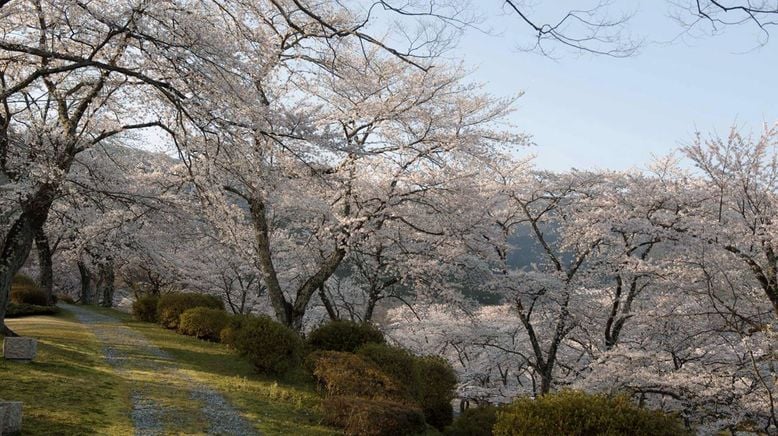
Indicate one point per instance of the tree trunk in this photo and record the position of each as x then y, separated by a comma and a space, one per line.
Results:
289, 314
46, 277
17, 246
243, 296
375, 295
371, 302
333, 314
108, 278
281, 307
545, 380
772, 294
86, 283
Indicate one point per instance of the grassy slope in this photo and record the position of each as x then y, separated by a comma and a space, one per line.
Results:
85, 383
69, 389
288, 406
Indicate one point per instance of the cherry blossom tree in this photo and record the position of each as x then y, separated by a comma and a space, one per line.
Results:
656, 308
68, 76
330, 158
742, 175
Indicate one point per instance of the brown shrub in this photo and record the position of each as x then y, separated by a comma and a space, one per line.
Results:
365, 417
144, 308
172, 305
346, 374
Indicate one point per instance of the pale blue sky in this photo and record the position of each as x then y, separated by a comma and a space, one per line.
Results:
600, 112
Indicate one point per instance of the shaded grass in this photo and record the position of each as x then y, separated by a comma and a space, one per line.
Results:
68, 389
275, 406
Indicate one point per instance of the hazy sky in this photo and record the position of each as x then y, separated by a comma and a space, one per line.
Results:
600, 112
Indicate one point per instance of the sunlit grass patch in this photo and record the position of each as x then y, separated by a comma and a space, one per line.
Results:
69, 388
274, 406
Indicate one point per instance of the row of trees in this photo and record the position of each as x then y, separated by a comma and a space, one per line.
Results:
287, 120
659, 283
309, 170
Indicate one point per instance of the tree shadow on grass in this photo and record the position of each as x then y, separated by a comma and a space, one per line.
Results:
61, 399
280, 403
68, 388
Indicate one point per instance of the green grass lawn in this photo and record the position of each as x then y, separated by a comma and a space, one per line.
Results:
69, 389
274, 406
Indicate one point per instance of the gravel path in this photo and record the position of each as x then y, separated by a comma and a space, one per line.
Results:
162, 395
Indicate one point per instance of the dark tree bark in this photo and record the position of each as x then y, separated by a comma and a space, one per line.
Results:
86, 284
375, 295
370, 309
107, 279
17, 247
288, 313
46, 276
325, 300
19, 240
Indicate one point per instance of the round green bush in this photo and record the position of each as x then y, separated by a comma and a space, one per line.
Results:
577, 413
25, 290
270, 346
344, 336
397, 363
172, 305
438, 388
475, 421
20, 310
203, 323
346, 374
22, 281
144, 308
365, 417
429, 380
230, 330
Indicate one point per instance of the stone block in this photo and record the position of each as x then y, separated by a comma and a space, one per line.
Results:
10, 417
19, 349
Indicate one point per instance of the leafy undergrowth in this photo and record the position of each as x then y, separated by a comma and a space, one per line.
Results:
68, 389
274, 406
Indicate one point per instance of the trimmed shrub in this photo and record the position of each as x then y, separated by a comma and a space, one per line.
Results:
25, 290
430, 380
65, 298
203, 323
397, 363
438, 388
145, 308
578, 413
29, 296
346, 374
475, 421
171, 306
19, 310
270, 346
230, 330
344, 336
364, 417
21, 281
